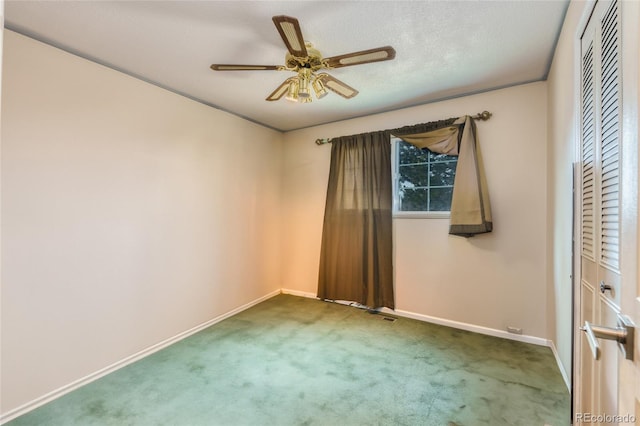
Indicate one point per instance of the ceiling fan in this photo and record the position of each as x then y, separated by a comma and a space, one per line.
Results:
307, 62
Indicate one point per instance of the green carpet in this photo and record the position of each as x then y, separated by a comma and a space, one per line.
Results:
298, 361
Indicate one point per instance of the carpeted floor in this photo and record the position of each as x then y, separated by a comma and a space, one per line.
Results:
298, 361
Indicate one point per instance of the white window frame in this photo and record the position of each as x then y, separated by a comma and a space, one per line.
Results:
396, 196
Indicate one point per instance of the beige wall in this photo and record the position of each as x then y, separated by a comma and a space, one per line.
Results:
563, 110
129, 214
494, 280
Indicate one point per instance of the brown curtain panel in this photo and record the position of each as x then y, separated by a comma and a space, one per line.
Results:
356, 253
470, 207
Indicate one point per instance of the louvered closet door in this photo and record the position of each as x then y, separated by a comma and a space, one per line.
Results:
600, 203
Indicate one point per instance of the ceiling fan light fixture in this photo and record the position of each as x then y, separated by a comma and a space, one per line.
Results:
303, 91
318, 87
292, 94
303, 83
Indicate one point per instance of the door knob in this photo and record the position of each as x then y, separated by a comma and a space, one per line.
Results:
623, 334
604, 287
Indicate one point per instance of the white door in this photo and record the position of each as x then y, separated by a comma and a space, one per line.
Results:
606, 391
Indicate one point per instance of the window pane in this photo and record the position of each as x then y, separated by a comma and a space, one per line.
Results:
413, 200
409, 154
440, 199
412, 176
423, 179
442, 174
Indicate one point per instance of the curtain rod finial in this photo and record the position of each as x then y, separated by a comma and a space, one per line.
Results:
484, 116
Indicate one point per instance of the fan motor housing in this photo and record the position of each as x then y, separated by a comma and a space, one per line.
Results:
313, 60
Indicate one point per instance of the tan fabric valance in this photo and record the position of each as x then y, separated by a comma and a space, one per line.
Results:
470, 207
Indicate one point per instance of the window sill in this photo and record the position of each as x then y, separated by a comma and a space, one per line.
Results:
421, 215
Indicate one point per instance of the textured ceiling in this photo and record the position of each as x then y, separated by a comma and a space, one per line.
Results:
444, 48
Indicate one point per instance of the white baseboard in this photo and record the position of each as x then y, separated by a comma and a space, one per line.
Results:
563, 372
449, 323
299, 293
25, 408
472, 327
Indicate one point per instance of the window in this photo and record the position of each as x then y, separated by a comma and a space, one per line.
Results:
423, 180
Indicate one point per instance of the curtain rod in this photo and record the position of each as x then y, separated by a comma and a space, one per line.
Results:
484, 116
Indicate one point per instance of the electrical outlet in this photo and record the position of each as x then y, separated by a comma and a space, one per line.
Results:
514, 330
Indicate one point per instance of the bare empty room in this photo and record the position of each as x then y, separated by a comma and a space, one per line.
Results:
319, 212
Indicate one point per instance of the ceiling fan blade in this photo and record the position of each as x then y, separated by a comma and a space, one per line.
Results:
363, 57
280, 91
289, 30
227, 67
338, 86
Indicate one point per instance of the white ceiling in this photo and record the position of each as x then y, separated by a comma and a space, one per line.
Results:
444, 48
